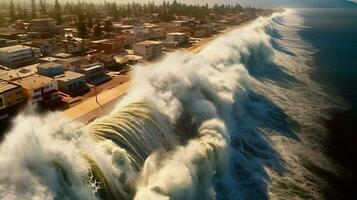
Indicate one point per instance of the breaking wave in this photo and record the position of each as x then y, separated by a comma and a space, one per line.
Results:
239, 120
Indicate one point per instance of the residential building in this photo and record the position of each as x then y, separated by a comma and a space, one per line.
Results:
71, 64
107, 59
125, 40
6, 42
180, 38
122, 63
148, 49
47, 46
10, 96
72, 83
18, 55
10, 34
134, 59
73, 46
46, 27
107, 46
94, 72
50, 69
205, 30
40, 89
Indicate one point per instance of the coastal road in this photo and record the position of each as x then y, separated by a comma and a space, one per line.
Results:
89, 109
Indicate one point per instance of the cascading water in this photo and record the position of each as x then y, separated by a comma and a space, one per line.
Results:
226, 123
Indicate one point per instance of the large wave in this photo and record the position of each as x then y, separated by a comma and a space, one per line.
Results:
238, 120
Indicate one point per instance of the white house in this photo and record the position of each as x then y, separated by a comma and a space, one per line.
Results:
148, 49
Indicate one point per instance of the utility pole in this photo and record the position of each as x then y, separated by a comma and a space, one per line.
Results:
96, 98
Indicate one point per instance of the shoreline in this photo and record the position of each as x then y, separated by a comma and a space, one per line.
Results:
88, 110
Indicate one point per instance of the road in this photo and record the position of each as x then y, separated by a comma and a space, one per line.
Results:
89, 109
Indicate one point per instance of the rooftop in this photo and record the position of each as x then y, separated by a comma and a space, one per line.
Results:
176, 33
13, 48
62, 55
50, 65
92, 66
49, 59
69, 75
134, 57
99, 41
19, 73
149, 42
34, 81
6, 86
42, 20
179, 21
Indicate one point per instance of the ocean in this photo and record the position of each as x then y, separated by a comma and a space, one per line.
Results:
333, 33
262, 112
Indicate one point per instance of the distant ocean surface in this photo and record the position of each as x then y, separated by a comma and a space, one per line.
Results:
333, 32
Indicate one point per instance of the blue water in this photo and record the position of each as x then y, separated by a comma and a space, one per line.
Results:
333, 32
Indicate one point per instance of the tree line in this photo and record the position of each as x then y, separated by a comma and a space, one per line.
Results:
165, 11
35, 10
89, 16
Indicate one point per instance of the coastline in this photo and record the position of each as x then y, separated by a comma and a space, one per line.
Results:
88, 110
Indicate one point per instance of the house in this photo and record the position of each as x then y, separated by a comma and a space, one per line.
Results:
50, 69
205, 30
71, 64
148, 49
180, 38
72, 46
108, 46
124, 62
134, 59
107, 59
125, 40
47, 46
10, 96
40, 89
18, 55
10, 34
72, 83
46, 27
6, 42
94, 73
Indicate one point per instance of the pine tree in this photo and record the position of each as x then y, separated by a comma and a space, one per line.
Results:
25, 14
97, 30
43, 7
58, 12
81, 25
33, 9
19, 12
108, 26
12, 11
67, 8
